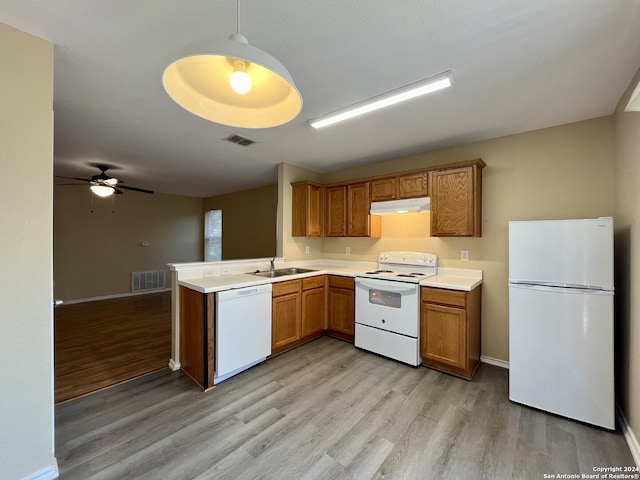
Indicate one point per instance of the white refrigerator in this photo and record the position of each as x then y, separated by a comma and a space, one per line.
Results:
561, 317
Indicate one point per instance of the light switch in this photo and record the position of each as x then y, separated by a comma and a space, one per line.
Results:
464, 255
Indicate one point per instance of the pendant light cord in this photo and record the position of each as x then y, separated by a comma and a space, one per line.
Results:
237, 16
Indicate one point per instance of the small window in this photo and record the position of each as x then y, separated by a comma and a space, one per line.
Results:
213, 236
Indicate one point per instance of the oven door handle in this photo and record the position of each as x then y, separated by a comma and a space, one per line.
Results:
387, 285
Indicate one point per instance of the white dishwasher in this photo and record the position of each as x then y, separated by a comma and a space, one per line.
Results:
243, 329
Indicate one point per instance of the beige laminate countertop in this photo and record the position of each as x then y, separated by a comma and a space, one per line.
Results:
454, 279
226, 282
449, 278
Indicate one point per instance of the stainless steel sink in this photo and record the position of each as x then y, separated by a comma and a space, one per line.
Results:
294, 270
283, 271
270, 274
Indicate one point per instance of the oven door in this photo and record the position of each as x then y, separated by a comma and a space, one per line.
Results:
388, 305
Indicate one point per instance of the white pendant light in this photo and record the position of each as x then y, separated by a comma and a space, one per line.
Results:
233, 83
413, 90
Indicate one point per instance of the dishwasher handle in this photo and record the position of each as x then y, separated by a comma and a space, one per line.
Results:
244, 292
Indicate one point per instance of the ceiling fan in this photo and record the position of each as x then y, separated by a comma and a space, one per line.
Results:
104, 185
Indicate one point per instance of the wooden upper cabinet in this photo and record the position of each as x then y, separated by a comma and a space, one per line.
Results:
384, 189
456, 201
336, 212
359, 221
412, 186
342, 210
306, 218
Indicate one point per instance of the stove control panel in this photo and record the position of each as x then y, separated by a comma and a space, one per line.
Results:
409, 258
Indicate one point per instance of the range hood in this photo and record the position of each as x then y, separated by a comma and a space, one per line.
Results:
393, 207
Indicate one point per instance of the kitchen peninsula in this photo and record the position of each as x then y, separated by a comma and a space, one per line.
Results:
320, 301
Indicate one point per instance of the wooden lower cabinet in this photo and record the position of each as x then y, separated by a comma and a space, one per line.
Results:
312, 305
197, 322
297, 312
450, 330
285, 320
341, 305
285, 314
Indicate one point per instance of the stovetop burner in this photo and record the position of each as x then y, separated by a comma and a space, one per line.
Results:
409, 267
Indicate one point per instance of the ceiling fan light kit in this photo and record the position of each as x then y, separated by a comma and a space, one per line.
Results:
393, 97
232, 83
102, 190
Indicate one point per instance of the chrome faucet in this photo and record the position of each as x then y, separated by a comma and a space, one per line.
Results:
273, 267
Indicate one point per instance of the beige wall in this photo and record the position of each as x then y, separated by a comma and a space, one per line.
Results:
627, 267
95, 253
561, 172
248, 222
26, 313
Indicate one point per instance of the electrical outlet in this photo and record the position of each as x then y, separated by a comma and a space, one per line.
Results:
347, 251
307, 249
464, 255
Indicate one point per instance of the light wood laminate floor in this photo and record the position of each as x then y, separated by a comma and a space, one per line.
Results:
325, 410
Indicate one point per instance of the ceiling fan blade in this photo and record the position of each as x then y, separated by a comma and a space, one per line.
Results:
135, 189
73, 178
117, 191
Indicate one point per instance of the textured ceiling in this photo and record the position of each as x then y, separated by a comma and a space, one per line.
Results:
518, 65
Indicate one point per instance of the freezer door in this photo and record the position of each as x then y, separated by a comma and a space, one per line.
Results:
575, 252
561, 352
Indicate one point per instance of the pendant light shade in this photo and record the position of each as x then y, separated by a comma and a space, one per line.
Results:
209, 77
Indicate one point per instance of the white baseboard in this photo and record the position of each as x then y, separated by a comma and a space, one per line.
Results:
48, 473
494, 361
173, 365
115, 295
629, 436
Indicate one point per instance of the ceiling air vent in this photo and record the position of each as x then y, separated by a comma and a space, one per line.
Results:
237, 139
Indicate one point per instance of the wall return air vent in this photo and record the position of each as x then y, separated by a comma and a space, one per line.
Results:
146, 281
239, 140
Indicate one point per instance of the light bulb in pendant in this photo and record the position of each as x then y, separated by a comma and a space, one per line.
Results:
240, 79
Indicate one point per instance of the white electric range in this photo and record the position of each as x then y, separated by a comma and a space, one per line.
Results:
388, 305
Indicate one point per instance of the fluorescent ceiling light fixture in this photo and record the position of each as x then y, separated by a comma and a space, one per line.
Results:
232, 83
413, 90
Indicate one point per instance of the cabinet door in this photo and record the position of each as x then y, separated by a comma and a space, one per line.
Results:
454, 203
411, 186
306, 210
383, 189
358, 206
285, 320
336, 215
342, 311
443, 335
312, 311
314, 221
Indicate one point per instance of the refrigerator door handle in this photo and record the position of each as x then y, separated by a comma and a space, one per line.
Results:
560, 288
